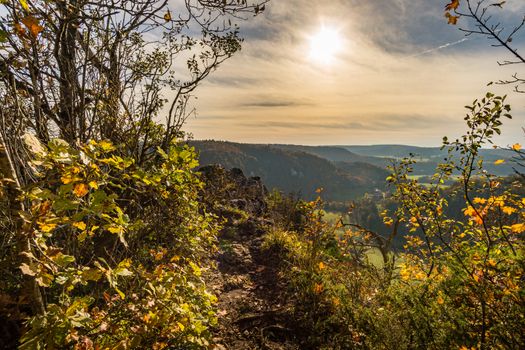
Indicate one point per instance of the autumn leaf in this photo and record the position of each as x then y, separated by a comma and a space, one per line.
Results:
28, 270
508, 210
24, 4
93, 184
67, 179
499, 161
518, 228
44, 207
318, 288
322, 266
80, 190
46, 227
32, 25
116, 229
479, 200
451, 18
107, 146
81, 225
167, 16
440, 300
516, 147
454, 4
19, 30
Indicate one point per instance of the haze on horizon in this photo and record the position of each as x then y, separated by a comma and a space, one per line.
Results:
399, 75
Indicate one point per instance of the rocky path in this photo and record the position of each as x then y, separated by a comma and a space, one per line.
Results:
253, 311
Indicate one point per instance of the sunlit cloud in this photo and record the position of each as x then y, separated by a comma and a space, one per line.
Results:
400, 75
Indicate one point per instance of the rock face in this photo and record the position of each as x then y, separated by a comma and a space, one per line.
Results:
252, 307
245, 193
233, 196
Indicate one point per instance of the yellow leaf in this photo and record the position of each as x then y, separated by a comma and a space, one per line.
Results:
93, 184
499, 161
80, 190
75, 170
440, 300
518, 228
67, 179
115, 229
516, 147
106, 146
508, 210
167, 16
322, 266
318, 288
46, 227
24, 4
80, 225
470, 211
492, 262
478, 200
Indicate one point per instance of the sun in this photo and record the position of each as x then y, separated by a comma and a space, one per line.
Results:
325, 45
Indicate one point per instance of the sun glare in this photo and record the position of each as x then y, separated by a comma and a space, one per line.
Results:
325, 45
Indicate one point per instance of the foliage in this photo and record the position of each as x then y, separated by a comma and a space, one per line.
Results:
485, 19
83, 70
117, 250
459, 282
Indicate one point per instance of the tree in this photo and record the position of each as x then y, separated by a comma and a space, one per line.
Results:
484, 16
99, 207
100, 70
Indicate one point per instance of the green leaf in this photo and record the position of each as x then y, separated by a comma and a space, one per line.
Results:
3, 36
63, 260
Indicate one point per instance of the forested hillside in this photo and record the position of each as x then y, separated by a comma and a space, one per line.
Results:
293, 170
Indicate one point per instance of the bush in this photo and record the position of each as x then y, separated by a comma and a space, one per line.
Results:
116, 250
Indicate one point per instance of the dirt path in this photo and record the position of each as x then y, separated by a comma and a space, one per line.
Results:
253, 310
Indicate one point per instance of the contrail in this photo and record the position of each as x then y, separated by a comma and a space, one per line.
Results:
440, 47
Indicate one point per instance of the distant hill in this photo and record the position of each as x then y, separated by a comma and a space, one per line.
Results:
345, 172
293, 169
429, 157
338, 154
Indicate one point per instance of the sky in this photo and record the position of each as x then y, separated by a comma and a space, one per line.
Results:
401, 75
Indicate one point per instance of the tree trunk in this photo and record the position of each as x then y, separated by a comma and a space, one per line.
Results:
30, 289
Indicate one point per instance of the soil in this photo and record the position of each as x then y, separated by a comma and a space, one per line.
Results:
254, 311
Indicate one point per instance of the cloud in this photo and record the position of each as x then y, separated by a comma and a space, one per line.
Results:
271, 102
403, 77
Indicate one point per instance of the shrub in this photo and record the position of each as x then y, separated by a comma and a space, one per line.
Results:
117, 250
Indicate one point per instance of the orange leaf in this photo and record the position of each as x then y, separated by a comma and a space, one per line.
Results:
32, 25
518, 228
516, 147
451, 19
80, 190
454, 4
